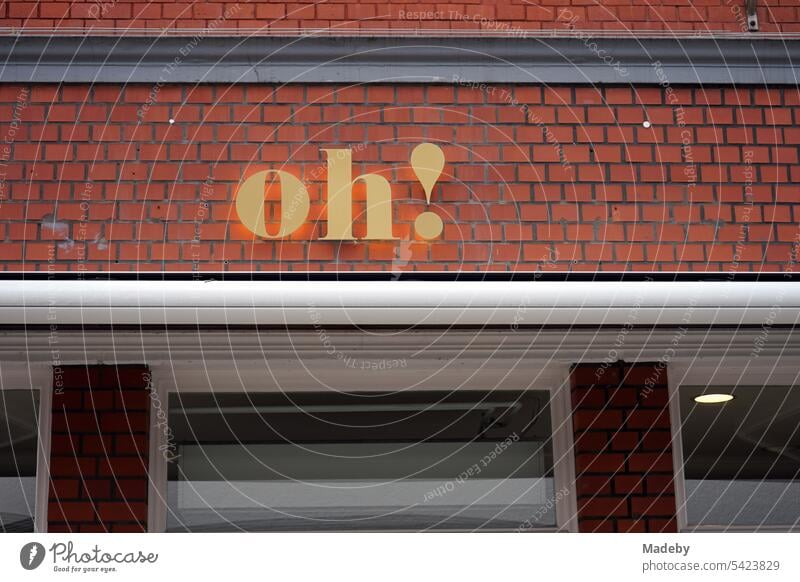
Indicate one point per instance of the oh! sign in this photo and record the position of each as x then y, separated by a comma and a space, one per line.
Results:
427, 161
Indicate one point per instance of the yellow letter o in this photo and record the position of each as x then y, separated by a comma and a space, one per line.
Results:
295, 203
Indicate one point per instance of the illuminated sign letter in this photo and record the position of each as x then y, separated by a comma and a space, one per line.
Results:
340, 200
295, 203
427, 161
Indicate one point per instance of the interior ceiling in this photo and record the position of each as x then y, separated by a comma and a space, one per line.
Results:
754, 436
372, 417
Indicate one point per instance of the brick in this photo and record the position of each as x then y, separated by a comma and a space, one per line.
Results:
648, 373
74, 421
602, 507
70, 511
622, 397
662, 525
131, 489
714, 15
72, 467
593, 485
598, 525
128, 527
113, 511
597, 420
632, 525
132, 399
86, 463
627, 484
599, 463
116, 422
121, 467
613, 160
590, 442
625, 441
128, 377
96, 489
637, 460
647, 419
659, 484
65, 444
650, 462
656, 440
96, 444
655, 507
64, 489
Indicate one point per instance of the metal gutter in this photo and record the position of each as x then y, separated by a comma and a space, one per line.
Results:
569, 59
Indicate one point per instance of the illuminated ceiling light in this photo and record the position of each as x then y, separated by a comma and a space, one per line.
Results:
717, 398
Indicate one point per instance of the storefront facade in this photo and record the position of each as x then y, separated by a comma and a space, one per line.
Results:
370, 279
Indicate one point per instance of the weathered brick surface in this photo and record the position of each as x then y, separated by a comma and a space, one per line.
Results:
551, 178
99, 449
493, 15
623, 448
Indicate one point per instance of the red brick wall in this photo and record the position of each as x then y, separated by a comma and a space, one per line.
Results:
623, 449
99, 449
508, 15
558, 178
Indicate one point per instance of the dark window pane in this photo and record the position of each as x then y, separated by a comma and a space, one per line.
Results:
742, 457
431, 460
18, 443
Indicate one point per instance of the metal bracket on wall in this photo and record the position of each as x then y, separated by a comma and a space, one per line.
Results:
752, 17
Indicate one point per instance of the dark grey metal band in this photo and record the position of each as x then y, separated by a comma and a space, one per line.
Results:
231, 59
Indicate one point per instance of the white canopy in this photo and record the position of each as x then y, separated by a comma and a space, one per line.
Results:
147, 302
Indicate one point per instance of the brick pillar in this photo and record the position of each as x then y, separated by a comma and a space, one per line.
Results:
99, 449
623, 448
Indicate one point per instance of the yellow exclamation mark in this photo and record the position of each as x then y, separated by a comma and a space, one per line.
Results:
427, 160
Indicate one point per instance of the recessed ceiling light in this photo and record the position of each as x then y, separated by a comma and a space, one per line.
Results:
713, 398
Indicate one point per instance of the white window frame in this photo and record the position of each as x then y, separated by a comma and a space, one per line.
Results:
553, 377
37, 377
767, 371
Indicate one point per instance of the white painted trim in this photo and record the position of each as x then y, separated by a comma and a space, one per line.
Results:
43, 457
553, 378
42, 378
157, 463
742, 528
81, 302
703, 346
564, 453
21, 375
675, 374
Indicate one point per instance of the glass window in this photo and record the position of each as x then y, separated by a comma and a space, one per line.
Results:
332, 461
742, 456
19, 437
